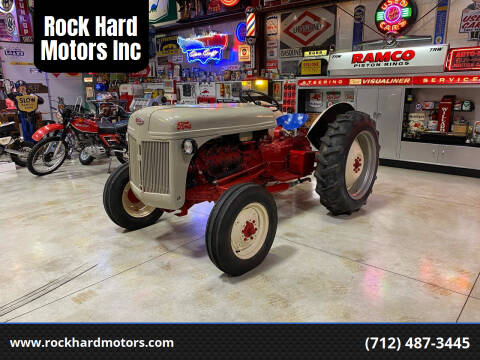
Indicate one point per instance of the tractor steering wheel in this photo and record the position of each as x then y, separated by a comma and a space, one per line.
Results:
257, 97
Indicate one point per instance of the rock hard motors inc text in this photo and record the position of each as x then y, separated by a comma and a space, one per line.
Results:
82, 29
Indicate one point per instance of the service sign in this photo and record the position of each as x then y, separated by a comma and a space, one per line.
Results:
387, 61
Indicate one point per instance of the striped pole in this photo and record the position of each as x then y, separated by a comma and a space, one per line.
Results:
250, 11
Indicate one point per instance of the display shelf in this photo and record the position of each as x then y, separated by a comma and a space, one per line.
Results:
458, 140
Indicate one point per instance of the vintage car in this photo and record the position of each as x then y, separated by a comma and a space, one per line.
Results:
237, 155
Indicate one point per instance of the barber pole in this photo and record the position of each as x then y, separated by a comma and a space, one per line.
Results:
250, 38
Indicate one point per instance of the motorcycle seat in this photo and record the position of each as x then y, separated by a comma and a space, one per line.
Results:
106, 127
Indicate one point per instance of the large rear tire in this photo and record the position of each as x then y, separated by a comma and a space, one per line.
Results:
347, 162
122, 206
241, 228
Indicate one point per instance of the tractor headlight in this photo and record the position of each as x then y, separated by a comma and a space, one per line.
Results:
189, 146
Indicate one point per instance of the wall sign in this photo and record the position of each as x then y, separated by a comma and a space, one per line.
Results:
160, 11
395, 16
6, 6
271, 64
24, 17
167, 45
311, 67
359, 20
204, 48
313, 27
470, 21
286, 53
464, 59
441, 22
241, 31
313, 53
272, 25
244, 53
387, 61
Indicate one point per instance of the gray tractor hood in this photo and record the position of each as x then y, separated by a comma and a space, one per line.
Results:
193, 121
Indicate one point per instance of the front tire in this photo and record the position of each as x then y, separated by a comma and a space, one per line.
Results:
25, 147
241, 228
43, 150
122, 206
347, 162
84, 158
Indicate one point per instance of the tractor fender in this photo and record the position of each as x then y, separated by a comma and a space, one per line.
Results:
44, 130
320, 125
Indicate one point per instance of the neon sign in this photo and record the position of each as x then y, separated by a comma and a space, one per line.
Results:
204, 48
241, 31
229, 2
395, 16
464, 59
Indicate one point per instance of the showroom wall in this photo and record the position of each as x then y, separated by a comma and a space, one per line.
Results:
425, 27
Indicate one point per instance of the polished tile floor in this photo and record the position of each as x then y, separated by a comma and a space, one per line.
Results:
412, 254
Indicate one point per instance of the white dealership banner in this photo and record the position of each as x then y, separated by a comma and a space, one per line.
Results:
388, 61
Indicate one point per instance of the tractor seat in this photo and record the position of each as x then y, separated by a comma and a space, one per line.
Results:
107, 127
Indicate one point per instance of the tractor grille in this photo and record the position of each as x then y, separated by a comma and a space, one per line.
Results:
134, 162
154, 167
151, 174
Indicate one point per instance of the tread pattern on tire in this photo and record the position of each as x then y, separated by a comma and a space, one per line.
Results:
219, 212
115, 211
331, 158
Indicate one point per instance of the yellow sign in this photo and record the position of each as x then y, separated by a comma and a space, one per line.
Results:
244, 53
316, 53
311, 67
20, 63
27, 103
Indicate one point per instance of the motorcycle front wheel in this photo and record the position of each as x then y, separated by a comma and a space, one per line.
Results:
47, 156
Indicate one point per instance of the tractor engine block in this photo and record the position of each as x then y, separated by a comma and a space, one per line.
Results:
282, 156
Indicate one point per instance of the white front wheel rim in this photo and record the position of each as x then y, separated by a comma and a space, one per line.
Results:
249, 231
133, 206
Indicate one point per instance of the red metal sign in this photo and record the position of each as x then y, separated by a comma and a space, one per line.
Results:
464, 59
24, 21
271, 64
391, 81
446, 80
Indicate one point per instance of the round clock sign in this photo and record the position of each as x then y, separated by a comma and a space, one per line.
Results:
395, 16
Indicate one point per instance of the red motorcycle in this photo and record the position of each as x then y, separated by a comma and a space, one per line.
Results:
91, 137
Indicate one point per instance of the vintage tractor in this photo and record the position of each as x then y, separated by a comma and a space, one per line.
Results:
237, 155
